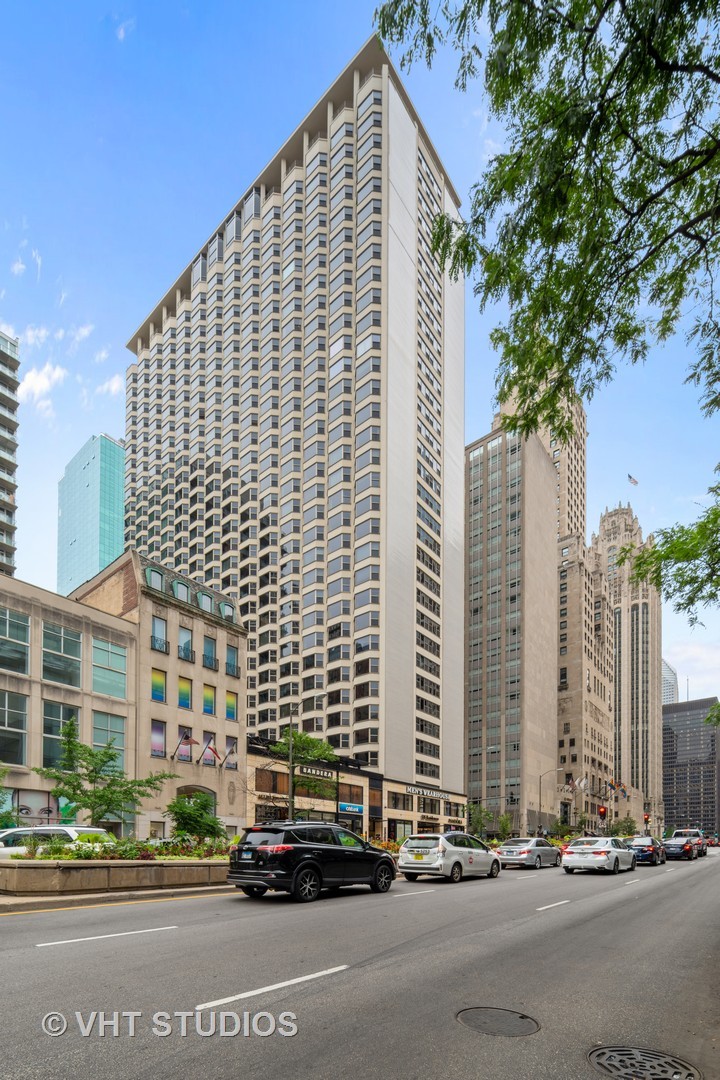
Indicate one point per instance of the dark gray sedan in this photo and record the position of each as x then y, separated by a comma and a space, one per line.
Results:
529, 852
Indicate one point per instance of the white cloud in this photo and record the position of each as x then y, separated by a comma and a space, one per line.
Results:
37, 259
59, 334
490, 149
45, 408
112, 386
124, 29
62, 298
34, 335
101, 356
37, 384
2, 294
80, 333
8, 330
18, 267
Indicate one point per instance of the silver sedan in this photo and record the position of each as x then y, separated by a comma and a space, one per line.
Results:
528, 851
598, 853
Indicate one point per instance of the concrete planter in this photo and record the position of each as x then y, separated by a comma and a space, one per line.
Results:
19, 877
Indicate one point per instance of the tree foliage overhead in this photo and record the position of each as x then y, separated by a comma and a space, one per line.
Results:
91, 779
599, 222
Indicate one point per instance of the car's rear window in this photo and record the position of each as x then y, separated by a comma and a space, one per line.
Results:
262, 836
424, 841
515, 842
587, 841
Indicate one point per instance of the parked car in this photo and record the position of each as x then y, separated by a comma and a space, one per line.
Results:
696, 835
14, 841
680, 847
452, 855
304, 857
530, 851
647, 849
608, 853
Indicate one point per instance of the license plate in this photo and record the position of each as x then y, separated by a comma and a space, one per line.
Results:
418, 856
246, 855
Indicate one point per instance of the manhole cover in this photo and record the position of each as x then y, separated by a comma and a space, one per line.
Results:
636, 1063
498, 1022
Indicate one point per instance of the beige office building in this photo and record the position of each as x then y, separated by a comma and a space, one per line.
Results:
295, 434
585, 735
637, 691
141, 656
511, 619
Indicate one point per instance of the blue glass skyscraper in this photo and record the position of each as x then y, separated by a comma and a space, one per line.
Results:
90, 512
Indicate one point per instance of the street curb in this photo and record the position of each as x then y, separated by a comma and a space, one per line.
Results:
15, 905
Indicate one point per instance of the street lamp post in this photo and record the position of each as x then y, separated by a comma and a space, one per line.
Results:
547, 772
291, 786
291, 792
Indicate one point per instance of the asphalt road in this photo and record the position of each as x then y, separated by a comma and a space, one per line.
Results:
373, 983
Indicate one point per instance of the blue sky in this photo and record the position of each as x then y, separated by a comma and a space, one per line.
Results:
128, 132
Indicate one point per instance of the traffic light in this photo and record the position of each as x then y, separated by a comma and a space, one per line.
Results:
646, 819
602, 812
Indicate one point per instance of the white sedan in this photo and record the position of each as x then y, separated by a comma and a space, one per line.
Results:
598, 853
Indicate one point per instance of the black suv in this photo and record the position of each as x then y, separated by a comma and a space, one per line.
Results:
303, 857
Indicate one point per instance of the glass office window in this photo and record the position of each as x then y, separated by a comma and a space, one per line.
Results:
109, 668
13, 725
62, 650
55, 716
14, 641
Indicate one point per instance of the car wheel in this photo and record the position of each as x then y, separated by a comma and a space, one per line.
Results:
633, 864
654, 861
569, 869
494, 868
616, 867
306, 886
558, 859
383, 879
455, 873
411, 877
538, 862
256, 891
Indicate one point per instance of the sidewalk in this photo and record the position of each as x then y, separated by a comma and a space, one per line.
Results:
15, 905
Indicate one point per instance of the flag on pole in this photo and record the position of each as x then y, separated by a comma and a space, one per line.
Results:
583, 783
632, 480
185, 739
612, 785
232, 750
208, 746
572, 785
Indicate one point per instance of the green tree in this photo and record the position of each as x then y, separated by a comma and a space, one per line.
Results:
599, 221
479, 817
307, 750
504, 826
91, 779
194, 815
626, 826
8, 817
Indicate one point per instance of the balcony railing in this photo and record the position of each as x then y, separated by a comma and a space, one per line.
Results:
186, 653
210, 662
159, 644
232, 669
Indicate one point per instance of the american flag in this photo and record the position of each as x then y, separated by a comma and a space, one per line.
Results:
632, 480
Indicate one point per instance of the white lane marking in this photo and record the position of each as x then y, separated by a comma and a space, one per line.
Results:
417, 892
267, 989
100, 937
548, 906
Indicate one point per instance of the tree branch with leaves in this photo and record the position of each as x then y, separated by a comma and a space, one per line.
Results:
91, 779
599, 222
